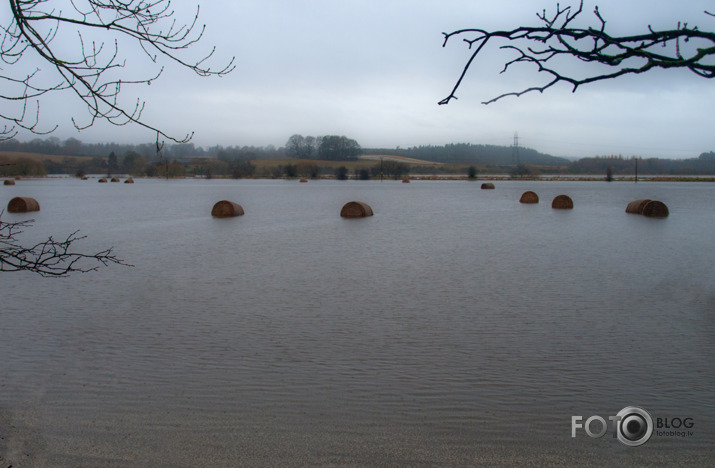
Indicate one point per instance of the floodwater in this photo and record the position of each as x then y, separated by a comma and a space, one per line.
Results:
455, 327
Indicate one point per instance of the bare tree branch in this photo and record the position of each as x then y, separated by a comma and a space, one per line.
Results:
51, 258
542, 46
37, 28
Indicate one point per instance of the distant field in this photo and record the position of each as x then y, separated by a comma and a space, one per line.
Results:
351, 165
39, 156
390, 157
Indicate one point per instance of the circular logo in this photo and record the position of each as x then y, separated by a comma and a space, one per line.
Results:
635, 426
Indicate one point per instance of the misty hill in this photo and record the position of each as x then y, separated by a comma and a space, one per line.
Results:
467, 153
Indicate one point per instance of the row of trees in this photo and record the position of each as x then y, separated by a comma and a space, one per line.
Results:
618, 165
330, 148
179, 151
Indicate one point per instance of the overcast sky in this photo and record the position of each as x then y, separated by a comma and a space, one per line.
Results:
375, 70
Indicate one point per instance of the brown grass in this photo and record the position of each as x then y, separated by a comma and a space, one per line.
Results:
389, 157
226, 209
562, 202
23, 205
42, 157
356, 209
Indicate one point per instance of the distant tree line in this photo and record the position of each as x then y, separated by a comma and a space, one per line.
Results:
79, 158
179, 151
618, 165
329, 148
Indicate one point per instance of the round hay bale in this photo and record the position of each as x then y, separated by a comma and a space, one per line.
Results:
636, 206
562, 202
115, 179
529, 197
655, 209
103, 180
356, 209
9, 182
84, 177
17, 177
129, 181
23, 205
405, 180
303, 181
487, 186
226, 209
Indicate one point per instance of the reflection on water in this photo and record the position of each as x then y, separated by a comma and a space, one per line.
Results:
454, 327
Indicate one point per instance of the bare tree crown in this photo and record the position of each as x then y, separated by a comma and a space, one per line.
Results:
80, 41
684, 47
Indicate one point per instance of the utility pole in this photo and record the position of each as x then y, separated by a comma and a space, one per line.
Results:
515, 150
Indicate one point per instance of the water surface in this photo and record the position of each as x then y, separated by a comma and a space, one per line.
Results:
455, 327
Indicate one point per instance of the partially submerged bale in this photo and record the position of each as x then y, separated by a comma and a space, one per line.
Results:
129, 181
303, 180
9, 182
529, 197
356, 209
405, 180
23, 205
487, 186
103, 180
562, 202
636, 206
226, 209
655, 209
115, 179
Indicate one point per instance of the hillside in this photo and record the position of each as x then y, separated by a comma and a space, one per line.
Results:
466, 153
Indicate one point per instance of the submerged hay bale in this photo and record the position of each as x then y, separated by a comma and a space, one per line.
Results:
356, 209
487, 186
529, 197
636, 206
648, 207
115, 179
23, 205
405, 180
9, 182
562, 202
226, 209
84, 177
103, 180
303, 180
655, 209
129, 181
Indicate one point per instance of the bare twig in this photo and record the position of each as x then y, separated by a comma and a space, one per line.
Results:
51, 258
542, 45
87, 69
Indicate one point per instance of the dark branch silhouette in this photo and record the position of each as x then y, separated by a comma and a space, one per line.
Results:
543, 46
50, 257
81, 45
